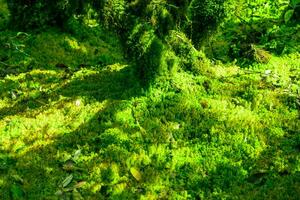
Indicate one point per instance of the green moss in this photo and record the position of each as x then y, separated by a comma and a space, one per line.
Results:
210, 131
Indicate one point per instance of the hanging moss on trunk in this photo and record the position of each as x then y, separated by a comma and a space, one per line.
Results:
204, 16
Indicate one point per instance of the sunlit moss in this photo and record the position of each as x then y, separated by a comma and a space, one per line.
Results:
213, 131
73, 44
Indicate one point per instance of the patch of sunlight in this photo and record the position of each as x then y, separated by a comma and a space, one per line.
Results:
73, 44
4, 103
44, 127
2, 182
36, 145
115, 67
223, 71
91, 22
282, 63
45, 72
242, 117
219, 106
119, 188
125, 116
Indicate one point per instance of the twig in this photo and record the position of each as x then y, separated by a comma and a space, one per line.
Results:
21, 51
40, 102
3, 63
185, 42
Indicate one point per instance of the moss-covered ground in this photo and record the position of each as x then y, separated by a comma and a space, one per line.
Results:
76, 124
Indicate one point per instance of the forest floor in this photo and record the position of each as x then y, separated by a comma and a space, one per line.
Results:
76, 124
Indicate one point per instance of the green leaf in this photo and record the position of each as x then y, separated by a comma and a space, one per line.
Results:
79, 184
288, 15
22, 33
67, 181
136, 174
76, 154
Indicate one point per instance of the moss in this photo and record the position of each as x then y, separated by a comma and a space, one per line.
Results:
190, 58
211, 131
261, 56
204, 17
181, 133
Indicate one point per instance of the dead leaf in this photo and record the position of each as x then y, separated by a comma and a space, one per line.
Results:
80, 184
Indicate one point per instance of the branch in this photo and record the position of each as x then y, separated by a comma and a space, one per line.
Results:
3, 63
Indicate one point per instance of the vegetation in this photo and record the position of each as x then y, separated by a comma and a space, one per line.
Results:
149, 99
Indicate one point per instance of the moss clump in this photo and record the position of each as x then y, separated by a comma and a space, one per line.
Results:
152, 56
205, 15
255, 54
227, 133
190, 58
